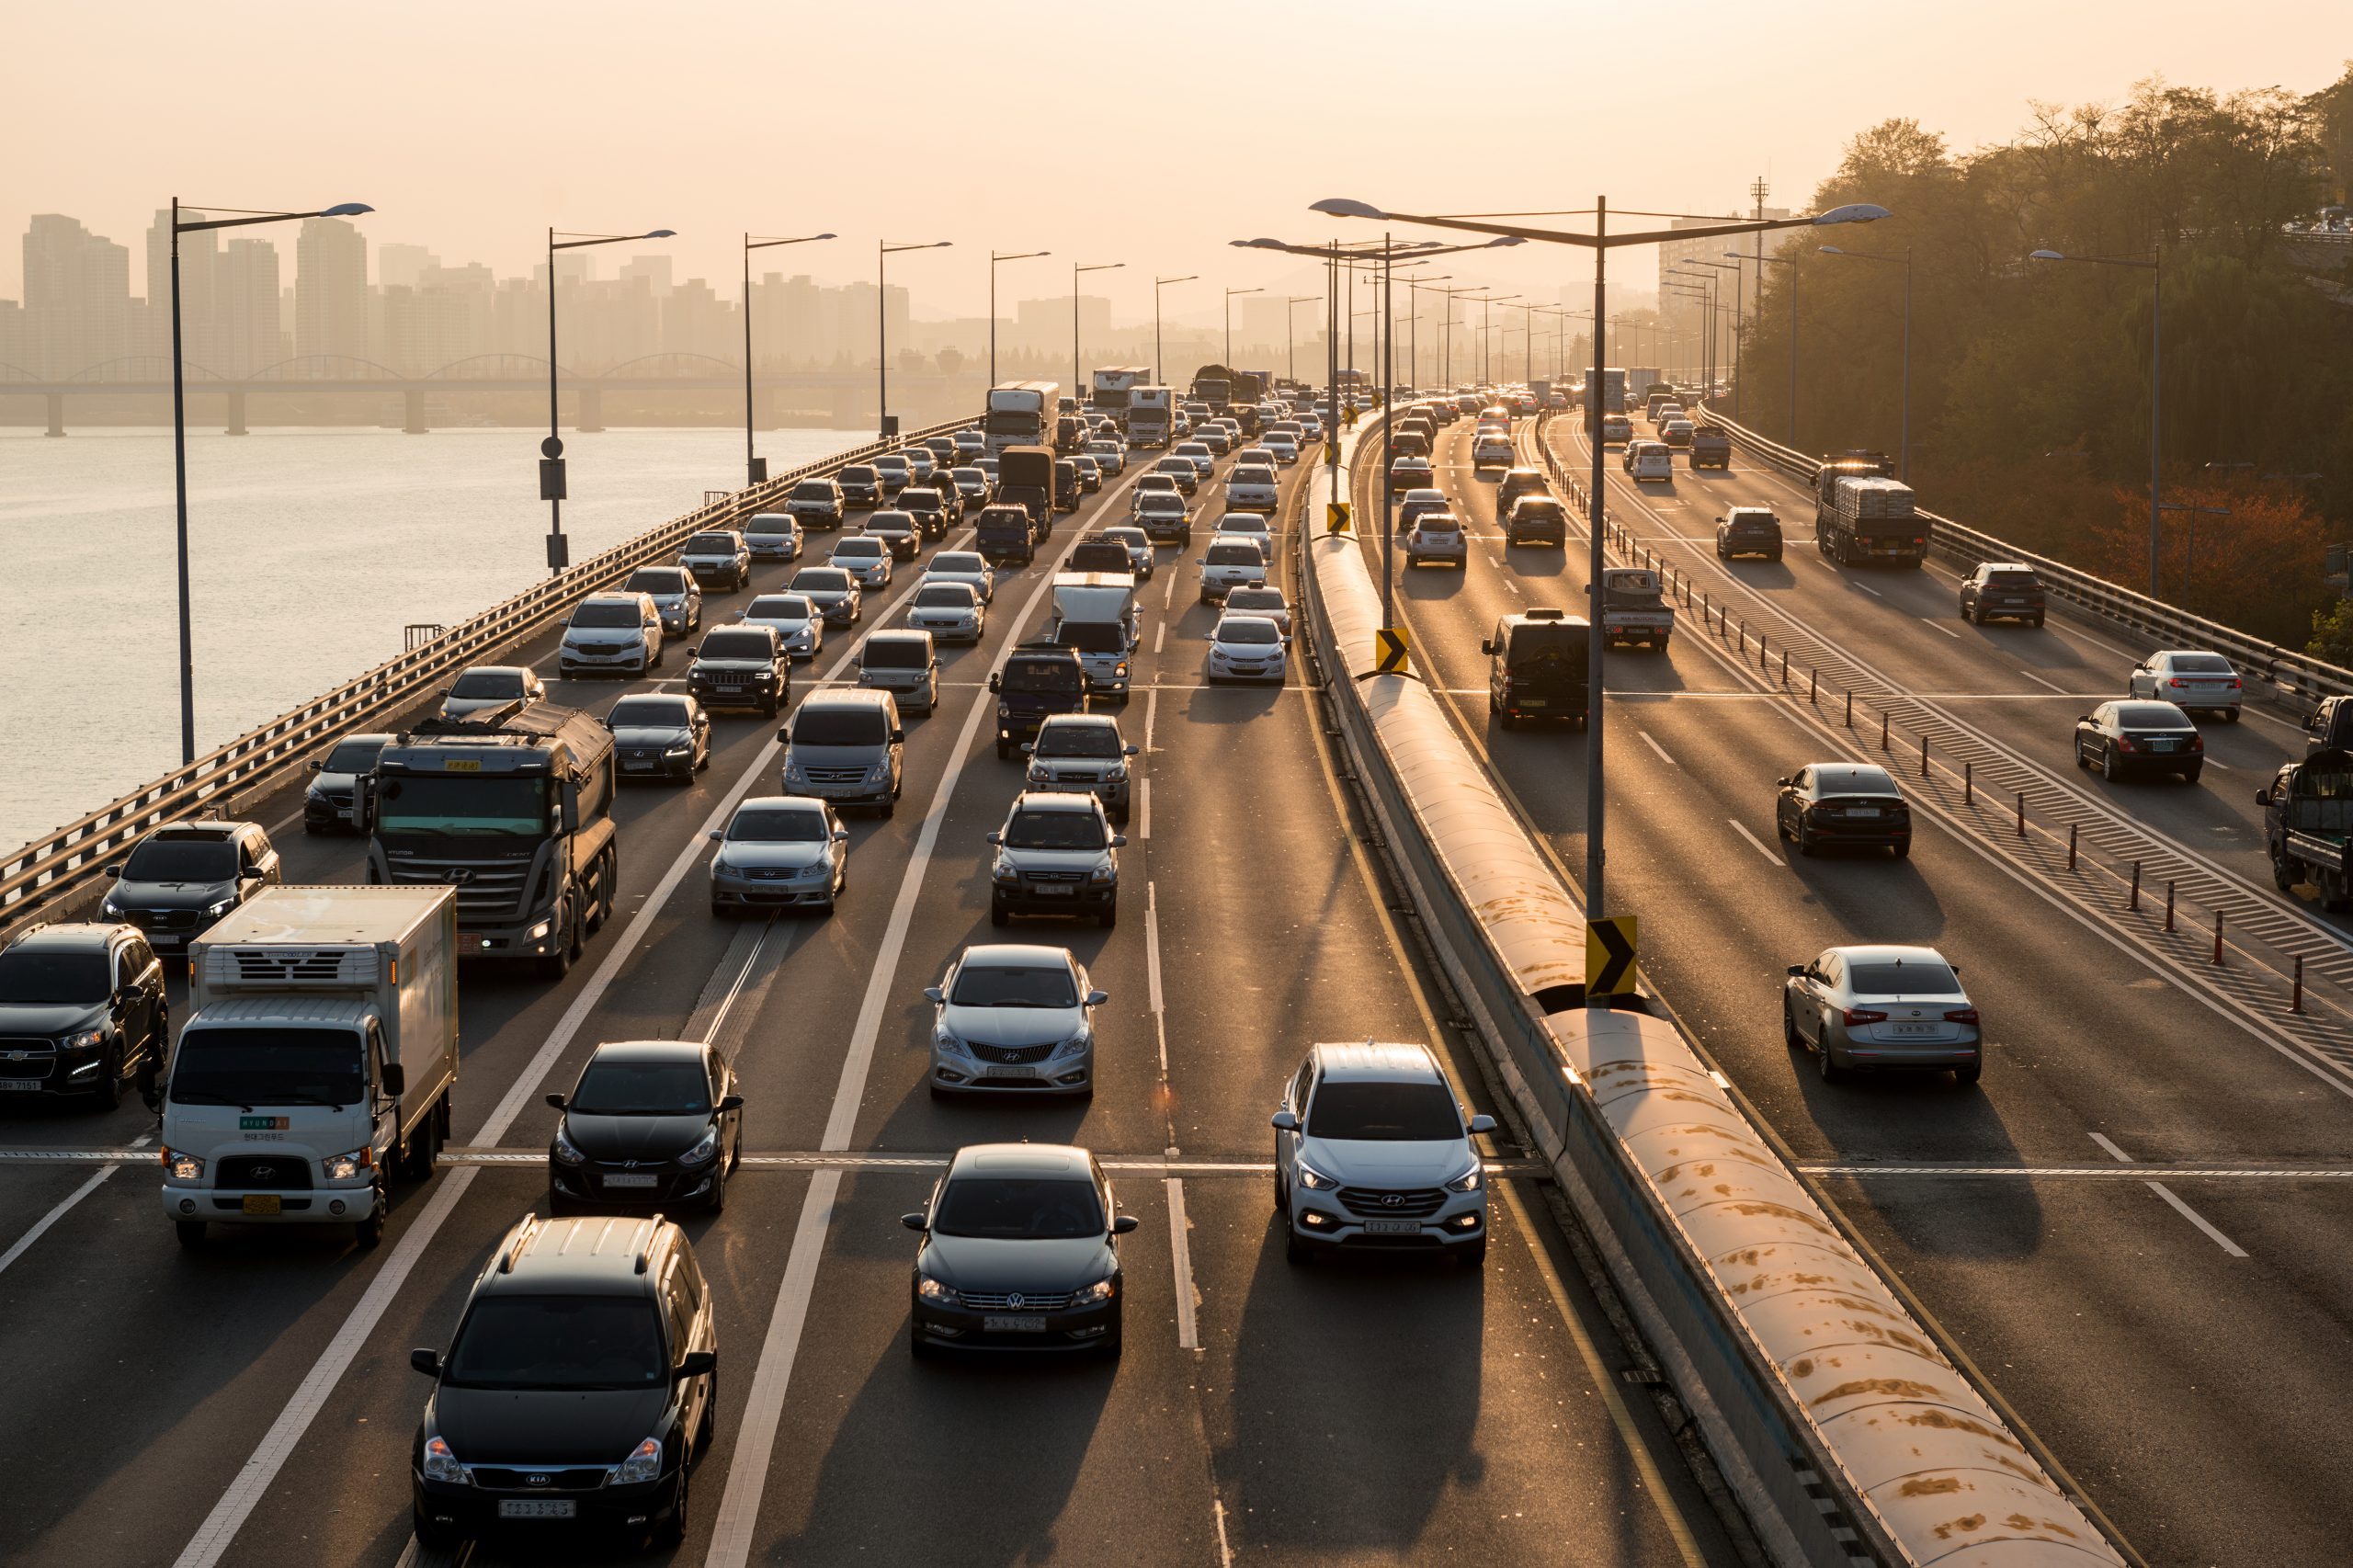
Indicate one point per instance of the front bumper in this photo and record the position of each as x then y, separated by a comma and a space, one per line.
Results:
509, 938
1322, 1219
965, 630
474, 1510
318, 811
1113, 792
739, 695
1262, 669
969, 1073
593, 1183
326, 1204
739, 892
628, 662
1072, 1328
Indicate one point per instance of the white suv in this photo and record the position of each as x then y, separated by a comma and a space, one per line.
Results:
1371, 1149
1251, 487
614, 633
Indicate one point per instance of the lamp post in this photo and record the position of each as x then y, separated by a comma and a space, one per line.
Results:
1708, 323
1763, 261
1159, 360
244, 216
2154, 267
1075, 270
1485, 303
1600, 242
754, 471
1904, 443
1228, 321
1728, 266
551, 483
1414, 286
995, 256
1290, 339
883, 251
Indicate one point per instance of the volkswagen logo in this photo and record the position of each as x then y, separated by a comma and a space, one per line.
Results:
1392, 1201
537, 1478
264, 1173
461, 874
1015, 1301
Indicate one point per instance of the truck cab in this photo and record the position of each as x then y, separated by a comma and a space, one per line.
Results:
1095, 617
2307, 823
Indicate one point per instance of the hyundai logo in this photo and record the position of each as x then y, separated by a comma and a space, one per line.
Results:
1015, 1300
1392, 1201
538, 1479
263, 1173
461, 874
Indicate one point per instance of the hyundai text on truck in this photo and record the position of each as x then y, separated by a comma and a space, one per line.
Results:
514, 810
1150, 412
1021, 413
1095, 617
317, 1060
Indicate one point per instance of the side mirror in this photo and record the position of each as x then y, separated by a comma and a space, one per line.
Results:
693, 653
314, 764
1121, 1224
1119, 841
558, 1101
857, 661
783, 736
731, 1102
1097, 998
1487, 646
1128, 751
2083, 718
1028, 747
2263, 796
395, 1079
897, 734
914, 1221
1483, 1124
115, 870
1782, 783
425, 1361
933, 994
716, 834
1284, 1121
1797, 971
995, 837
841, 835
696, 1364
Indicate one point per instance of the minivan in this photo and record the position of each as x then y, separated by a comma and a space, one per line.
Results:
1535, 667
844, 746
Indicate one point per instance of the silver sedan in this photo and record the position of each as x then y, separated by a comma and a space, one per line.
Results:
1881, 1006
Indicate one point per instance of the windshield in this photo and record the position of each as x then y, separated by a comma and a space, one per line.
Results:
712, 544
182, 860
957, 561
860, 726
497, 683
223, 1065
777, 825
1092, 636
2201, 665
858, 473
1005, 421
856, 548
52, 977
807, 490
611, 612
1019, 1208
780, 606
1438, 523
1530, 506
352, 756
896, 653
648, 713
1031, 674
471, 805
1383, 1112
924, 500
1254, 598
822, 580
641, 1088
898, 522
989, 985
558, 1342
1234, 555
738, 645
1919, 977
1558, 643
945, 595
774, 522
1248, 631
968, 476
1078, 740
660, 579
1054, 829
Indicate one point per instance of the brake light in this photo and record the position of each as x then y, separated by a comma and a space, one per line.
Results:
2124, 743
1864, 1015
1961, 1016
2176, 681
2197, 742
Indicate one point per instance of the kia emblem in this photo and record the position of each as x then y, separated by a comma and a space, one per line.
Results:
538, 1479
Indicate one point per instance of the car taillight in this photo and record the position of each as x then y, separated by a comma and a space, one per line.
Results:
1961, 1016
2197, 742
2176, 681
1864, 1015
2124, 743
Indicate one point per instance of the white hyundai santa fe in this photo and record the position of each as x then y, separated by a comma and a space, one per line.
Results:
1372, 1149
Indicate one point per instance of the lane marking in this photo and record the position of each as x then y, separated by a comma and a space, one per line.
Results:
1180, 1248
1159, 637
1143, 809
1940, 626
1150, 713
1758, 843
2040, 681
1864, 587
2184, 1210
1152, 973
41, 1226
1656, 747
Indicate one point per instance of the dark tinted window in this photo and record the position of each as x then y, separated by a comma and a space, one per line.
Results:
812, 490
2010, 580
988, 986
1078, 740
1240, 631
858, 472
781, 606
182, 860
712, 544
226, 1065
827, 726
650, 712
1024, 1207
2152, 716
606, 612
558, 1342
1383, 1112
744, 644
52, 976
660, 579
642, 1088
896, 653
1556, 642
1924, 977
1856, 781
767, 523
353, 756
946, 596
822, 580
2201, 665
1054, 829
777, 825
497, 683
895, 522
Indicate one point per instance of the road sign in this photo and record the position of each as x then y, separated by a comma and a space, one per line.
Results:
1335, 518
1609, 957
1390, 647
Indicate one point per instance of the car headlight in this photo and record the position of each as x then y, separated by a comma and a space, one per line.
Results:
1311, 1178
1005, 710
564, 1149
181, 1165
1115, 773
222, 907
1103, 871
932, 1290
1038, 775
1095, 1295
111, 909
878, 773
703, 1150
539, 931
1006, 871
1471, 1181
1076, 1043
793, 773
440, 1464
677, 749
644, 1464
350, 1165
814, 868
83, 1040
946, 1039
1123, 668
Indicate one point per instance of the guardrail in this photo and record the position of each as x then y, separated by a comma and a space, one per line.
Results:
65, 862
1848, 1434
2296, 675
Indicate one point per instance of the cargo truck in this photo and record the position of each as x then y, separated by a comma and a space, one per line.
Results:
1633, 609
1112, 392
1150, 410
1025, 478
2308, 826
1021, 413
1095, 617
1859, 517
317, 1061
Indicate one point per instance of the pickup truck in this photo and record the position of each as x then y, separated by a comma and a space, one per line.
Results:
2307, 823
1633, 609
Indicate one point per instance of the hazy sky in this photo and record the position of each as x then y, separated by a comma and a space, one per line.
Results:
1148, 134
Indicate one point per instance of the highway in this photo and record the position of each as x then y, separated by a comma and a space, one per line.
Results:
2172, 1336
252, 1403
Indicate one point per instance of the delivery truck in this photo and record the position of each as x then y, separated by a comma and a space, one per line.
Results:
1095, 617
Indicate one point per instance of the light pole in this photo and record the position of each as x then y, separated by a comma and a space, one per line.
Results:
1229, 322
1762, 262
1075, 270
1159, 359
1728, 266
552, 484
1414, 287
2155, 267
1291, 337
1600, 242
1904, 443
995, 256
1698, 297
883, 251
244, 216
1485, 303
1708, 335
754, 471
1446, 331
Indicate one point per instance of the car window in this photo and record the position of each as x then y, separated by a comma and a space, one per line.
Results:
1248, 631
1383, 1112
810, 490
675, 1088
1019, 1208
744, 644
1915, 977
781, 606
353, 756
181, 860
822, 579
712, 544
957, 560
895, 653
650, 712
2152, 716
504, 683
659, 579
558, 1342
2202, 663
592, 613
1054, 829
1078, 740
822, 726
777, 825
945, 595
1008, 985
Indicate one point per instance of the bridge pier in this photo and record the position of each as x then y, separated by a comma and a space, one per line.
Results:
236, 414
56, 415
590, 416
413, 413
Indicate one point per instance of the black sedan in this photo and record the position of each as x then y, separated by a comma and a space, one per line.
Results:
1019, 1251
2119, 738
655, 733
1843, 803
653, 1122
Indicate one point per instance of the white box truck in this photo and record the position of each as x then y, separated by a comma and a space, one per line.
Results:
1150, 412
317, 1059
1095, 617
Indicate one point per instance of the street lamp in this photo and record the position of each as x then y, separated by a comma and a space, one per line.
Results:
1159, 359
2155, 267
1727, 267
883, 251
1600, 242
993, 259
551, 485
1075, 270
1229, 322
1291, 337
1706, 325
1414, 286
1903, 444
244, 216
754, 471
1485, 324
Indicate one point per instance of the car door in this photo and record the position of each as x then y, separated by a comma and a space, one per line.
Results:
132, 1007
1820, 981
146, 974
1970, 589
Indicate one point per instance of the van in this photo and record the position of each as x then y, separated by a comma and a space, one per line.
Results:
846, 746
1535, 667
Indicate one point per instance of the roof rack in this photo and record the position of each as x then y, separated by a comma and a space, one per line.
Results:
527, 1227
645, 1246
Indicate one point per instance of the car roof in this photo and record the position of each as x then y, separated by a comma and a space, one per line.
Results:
648, 1049
1375, 1061
610, 595
206, 832
777, 802
71, 934
845, 696
1074, 800
592, 1256
911, 634
1231, 619
1013, 955
1888, 952
1021, 1160
1080, 721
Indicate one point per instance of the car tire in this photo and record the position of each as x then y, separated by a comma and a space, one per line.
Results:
2081, 760
661, 654
890, 806
420, 1155
190, 1233
2035, 622
1471, 1256
2189, 774
671, 1531
1826, 1065
434, 1535
2108, 767
998, 913
109, 1093
1967, 1077
2283, 873
2230, 715
1110, 915
1296, 1251
1903, 850
1804, 842
1790, 1036
715, 1200
311, 828
918, 1348
369, 1233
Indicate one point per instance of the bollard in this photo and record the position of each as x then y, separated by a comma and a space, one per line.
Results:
1882, 732
1761, 656
1785, 668
2134, 903
2217, 937
2071, 845
1968, 776
1924, 757
1812, 687
1850, 711
2296, 999
2021, 813
2168, 906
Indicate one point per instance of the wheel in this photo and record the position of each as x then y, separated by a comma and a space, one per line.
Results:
672, 1530
557, 965
109, 1093
998, 913
715, 1201
890, 806
1110, 1347
433, 1535
2108, 767
1004, 750
918, 1348
1472, 1256
1790, 1036
661, 654
313, 829
1296, 1251
368, 1232
190, 1233
1508, 720
1903, 850
2189, 774
1109, 917
2037, 621
1804, 842
422, 1154
2283, 873
2230, 715
2081, 760
1824, 1065
1965, 1077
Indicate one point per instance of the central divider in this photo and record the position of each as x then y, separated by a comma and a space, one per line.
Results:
1848, 1434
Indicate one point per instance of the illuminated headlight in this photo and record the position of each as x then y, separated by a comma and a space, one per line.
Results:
349, 1166
564, 1149
702, 1151
644, 1464
1006, 871
1311, 1178
1103, 871
181, 1165
932, 1290
223, 907
677, 749
1095, 1295
539, 932
440, 1464
1469, 1181
1122, 669
1074, 1044
111, 909
85, 1040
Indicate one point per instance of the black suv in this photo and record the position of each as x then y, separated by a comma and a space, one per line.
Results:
187, 875
1748, 530
581, 1388
861, 485
1535, 667
81, 1008
937, 507
2002, 589
1517, 483
742, 666
653, 1122
1032, 683
1536, 519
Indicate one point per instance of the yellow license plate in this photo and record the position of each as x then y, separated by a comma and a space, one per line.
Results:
261, 1203
459, 764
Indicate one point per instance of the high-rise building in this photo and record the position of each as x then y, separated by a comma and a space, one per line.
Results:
245, 300
654, 270
403, 267
331, 292
77, 297
199, 317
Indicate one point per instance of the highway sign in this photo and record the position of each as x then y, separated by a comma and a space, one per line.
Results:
1609, 957
1391, 646
1335, 518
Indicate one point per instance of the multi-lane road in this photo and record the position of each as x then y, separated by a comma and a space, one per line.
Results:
2175, 1336
252, 1403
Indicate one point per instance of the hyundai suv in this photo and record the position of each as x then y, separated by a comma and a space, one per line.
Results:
1055, 855
1372, 1149
718, 556
675, 593
1083, 751
817, 504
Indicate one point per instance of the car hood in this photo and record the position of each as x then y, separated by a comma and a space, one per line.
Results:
1012, 1025
733, 664
501, 1427
578, 637
791, 855
130, 894
997, 1263
1053, 859
50, 1018
325, 780
460, 707
1387, 1162
825, 596
633, 1138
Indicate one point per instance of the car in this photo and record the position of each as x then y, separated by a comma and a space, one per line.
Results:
899, 531
1266, 601
1213, 439
1372, 1150
777, 852
1712, 448
326, 798
655, 1121
1536, 519
866, 556
893, 473
1252, 486
484, 688
1142, 559
2004, 590
847, 747
1180, 471
816, 503
1648, 460
718, 557
992, 469
1250, 524
1417, 501
660, 733
1090, 473
676, 593
1007, 535
1247, 647
861, 485
1842, 803
1164, 516
1881, 1006
1094, 553
832, 590
1748, 530
1200, 454
921, 463
1410, 441
1489, 451
83, 1010
2128, 737
1109, 455
1020, 1252
589, 1342
1437, 537
1615, 429
2330, 727
742, 665
969, 442
945, 453
949, 612
1537, 663
1055, 855
1517, 483
935, 510
1253, 456
1311, 426
1409, 473
1083, 751
2192, 680
905, 663
964, 566
796, 620
610, 634
1014, 1017
971, 485
1231, 560
1284, 443
183, 876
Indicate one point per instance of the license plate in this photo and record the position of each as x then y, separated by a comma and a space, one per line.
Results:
1863, 812
470, 939
1911, 1029
537, 1508
1534, 702
1392, 1227
1013, 1326
628, 1179
261, 1203
2161, 745
637, 767
1051, 891
1003, 1072
20, 1084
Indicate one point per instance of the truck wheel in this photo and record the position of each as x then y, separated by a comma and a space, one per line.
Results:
190, 1233
557, 965
2283, 873
369, 1233
422, 1154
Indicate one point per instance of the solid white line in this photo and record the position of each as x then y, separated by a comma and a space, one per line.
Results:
1656, 747
2040, 681
41, 1226
1180, 1251
1151, 712
1756, 843
2195, 1218
1159, 637
1224, 1553
2109, 1145
1143, 809
1865, 587
1152, 972
1940, 627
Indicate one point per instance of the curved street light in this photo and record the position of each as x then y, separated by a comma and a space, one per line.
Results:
1075, 270
883, 251
755, 472
551, 480
994, 257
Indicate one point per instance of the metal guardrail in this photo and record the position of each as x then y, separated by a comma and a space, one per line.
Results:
65, 862
2295, 675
